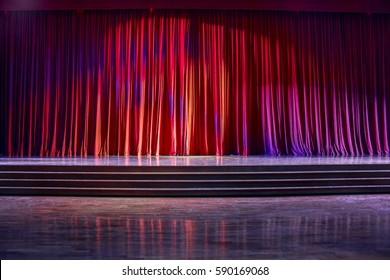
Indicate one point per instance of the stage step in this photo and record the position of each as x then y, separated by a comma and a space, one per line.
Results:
214, 175
195, 192
194, 180
194, 169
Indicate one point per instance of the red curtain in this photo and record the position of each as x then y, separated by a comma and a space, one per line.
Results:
194, 83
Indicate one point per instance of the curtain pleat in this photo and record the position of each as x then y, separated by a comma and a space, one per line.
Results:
194, 83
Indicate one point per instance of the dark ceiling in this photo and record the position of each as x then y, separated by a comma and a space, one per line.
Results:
366, 6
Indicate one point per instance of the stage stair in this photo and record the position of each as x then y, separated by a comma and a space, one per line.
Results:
205, 181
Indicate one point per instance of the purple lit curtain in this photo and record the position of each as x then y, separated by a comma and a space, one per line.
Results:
194, 83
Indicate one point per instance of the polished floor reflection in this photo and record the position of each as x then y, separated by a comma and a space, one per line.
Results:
322, 227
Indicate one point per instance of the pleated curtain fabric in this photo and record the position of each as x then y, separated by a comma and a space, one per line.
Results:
136, 82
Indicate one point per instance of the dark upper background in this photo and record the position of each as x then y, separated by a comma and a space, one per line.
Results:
368, 6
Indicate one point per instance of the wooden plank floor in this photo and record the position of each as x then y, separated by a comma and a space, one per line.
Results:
299, 227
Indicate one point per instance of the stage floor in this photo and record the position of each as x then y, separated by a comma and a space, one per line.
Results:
285, 226
192, 176
310, 227
195, 160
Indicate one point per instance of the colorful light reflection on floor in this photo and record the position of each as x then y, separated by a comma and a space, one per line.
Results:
323, 227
